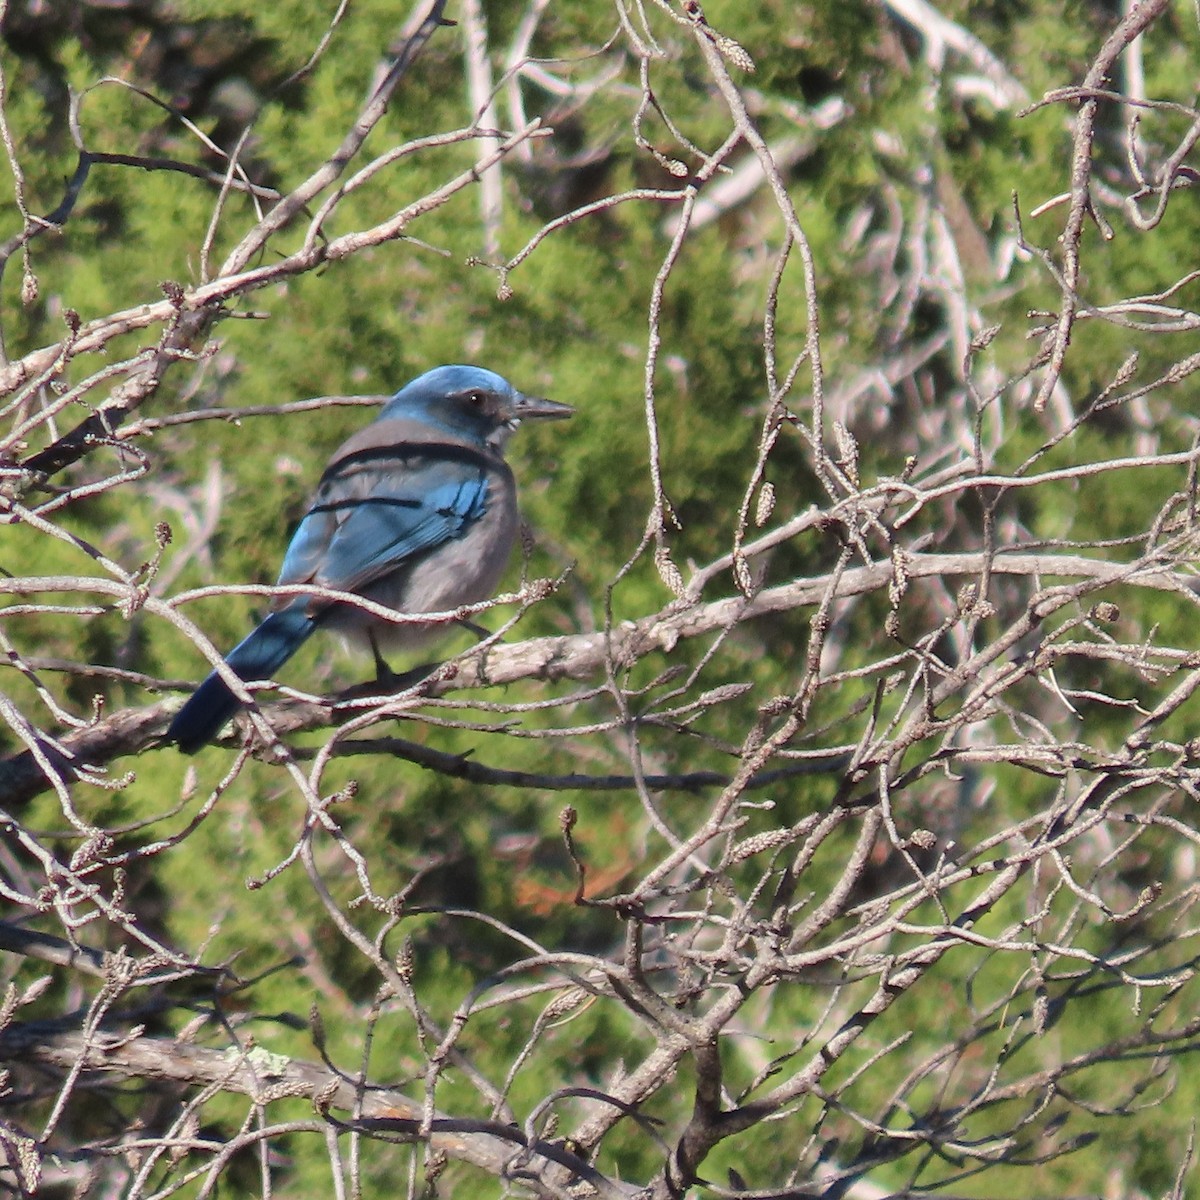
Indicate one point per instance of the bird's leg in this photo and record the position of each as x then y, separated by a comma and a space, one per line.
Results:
384, 675
388, 680
477, 630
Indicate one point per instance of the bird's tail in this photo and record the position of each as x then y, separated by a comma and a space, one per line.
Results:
258, 656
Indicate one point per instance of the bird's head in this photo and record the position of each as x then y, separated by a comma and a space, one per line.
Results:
471, 401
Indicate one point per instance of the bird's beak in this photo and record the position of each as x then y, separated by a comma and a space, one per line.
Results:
532, 408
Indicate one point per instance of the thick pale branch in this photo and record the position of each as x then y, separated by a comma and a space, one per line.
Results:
579, 656
265, 1078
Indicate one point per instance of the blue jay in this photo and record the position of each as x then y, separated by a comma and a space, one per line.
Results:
417, 512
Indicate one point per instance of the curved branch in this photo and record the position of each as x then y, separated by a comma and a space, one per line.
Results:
266, 1078
577, 656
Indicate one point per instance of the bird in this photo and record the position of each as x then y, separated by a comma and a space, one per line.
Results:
417, 511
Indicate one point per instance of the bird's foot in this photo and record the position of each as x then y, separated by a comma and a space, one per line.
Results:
387, 680
387, 683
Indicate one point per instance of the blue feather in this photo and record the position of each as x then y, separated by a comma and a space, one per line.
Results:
348, 542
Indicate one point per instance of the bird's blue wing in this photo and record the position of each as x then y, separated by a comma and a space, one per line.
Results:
368, 522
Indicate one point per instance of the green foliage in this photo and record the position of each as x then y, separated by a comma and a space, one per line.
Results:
575, 327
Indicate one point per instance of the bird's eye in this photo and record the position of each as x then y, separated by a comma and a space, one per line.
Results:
475, 399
